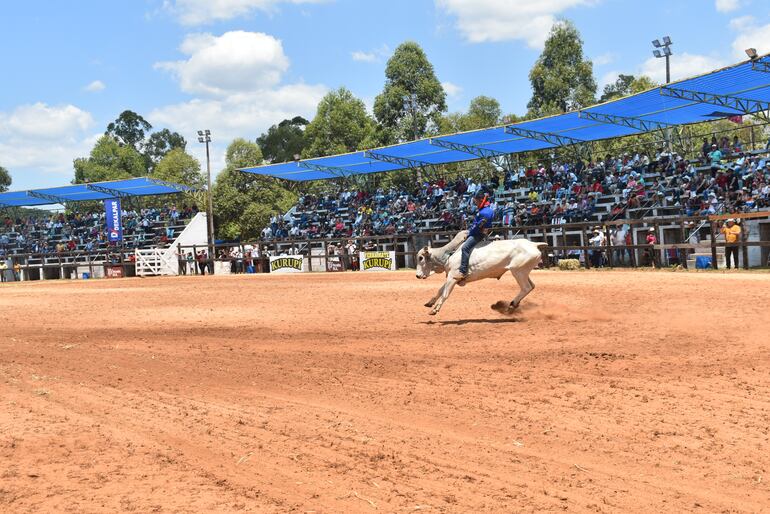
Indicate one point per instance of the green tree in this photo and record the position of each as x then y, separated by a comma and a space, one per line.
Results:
129, 130
483, 112
283, 141
161, 143
180, 167
626, 85
340, 125
412, 101
109, 161
5, 179
244, 202
562, 80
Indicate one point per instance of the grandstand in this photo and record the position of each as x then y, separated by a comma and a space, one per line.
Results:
673, 194
65, 244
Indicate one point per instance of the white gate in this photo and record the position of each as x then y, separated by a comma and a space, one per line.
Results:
156, 262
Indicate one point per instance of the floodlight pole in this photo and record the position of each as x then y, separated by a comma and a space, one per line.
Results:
204, 136
665, 52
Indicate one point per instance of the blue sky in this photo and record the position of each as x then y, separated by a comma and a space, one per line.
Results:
238, 66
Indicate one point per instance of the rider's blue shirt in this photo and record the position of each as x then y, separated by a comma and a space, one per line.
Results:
482, 222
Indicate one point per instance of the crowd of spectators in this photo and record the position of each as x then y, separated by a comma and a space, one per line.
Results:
723, 178
87, 231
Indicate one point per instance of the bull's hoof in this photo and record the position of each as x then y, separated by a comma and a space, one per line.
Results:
433, 312
429, 304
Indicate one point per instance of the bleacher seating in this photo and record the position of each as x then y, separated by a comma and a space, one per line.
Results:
626, 187
86, 232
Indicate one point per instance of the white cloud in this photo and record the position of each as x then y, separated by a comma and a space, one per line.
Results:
236, 78
242, 115
363, 56
196, 12
727, 5
682, 66
235, 62
452, 90
608, 78
95, 86
39, 137
374, 56
45, 122
604, 59
750, 35
501, 20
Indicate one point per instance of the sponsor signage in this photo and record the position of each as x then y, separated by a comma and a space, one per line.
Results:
114, 222
377, 261
287, 264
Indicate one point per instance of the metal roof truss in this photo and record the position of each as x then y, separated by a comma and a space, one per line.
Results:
738, 103
760, 66
45, 196
107, 191
625, 121
398, 161
546, 137
478, 151
334, 170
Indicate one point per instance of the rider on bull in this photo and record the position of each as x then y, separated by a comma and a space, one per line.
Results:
478, 231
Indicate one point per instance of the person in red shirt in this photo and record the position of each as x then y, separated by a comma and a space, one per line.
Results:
652, 239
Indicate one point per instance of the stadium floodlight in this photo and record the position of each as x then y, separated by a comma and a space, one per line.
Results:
204, 136
752, 53
663, 50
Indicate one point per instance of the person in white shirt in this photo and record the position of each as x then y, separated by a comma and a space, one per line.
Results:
598, 240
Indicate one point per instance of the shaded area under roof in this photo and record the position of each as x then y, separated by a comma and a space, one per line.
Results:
741, 89
133, 187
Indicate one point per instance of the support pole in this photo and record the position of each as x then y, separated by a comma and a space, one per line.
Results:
584, 243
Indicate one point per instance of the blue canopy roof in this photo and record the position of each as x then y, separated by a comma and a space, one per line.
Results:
142, 186
740, 89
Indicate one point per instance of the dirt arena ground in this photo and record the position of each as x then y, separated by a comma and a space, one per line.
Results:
608, 392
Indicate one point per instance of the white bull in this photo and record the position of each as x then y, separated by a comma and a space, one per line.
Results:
488, 260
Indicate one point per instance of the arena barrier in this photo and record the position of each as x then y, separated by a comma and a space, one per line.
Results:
683, 241
680, 241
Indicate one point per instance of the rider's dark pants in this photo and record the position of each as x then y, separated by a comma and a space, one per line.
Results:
467, 248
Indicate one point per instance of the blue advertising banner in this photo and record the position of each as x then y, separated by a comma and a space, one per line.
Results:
114, 221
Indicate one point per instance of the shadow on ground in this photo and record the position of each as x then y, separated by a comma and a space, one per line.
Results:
470, 321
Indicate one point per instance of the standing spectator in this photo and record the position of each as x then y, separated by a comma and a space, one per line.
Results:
190, 263
732, 234
3, 270
652, 240
598, 240
182, 263
201, 257
352, 254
